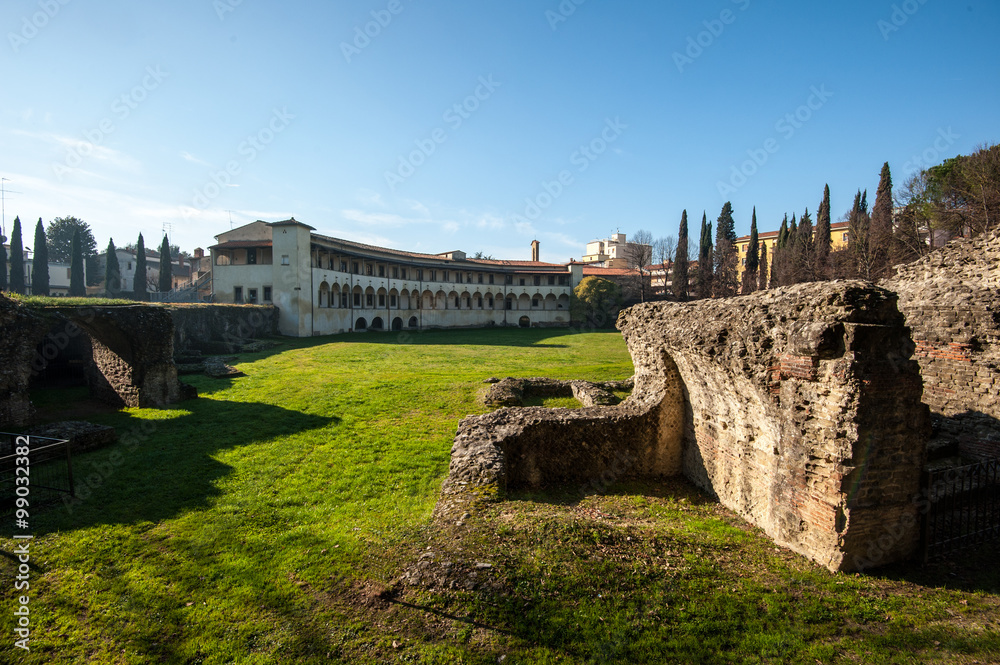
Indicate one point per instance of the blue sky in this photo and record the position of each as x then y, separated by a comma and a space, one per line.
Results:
574, 119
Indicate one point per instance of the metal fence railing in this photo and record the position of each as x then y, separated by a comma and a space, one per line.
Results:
964, 508
49, 470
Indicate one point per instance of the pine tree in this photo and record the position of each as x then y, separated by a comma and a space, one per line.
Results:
166, 276
821, 257
16, 258
753, 258
680, 276
77, 280
40, 263
880, 231
139, 288
3, 263
112, 272
762, 274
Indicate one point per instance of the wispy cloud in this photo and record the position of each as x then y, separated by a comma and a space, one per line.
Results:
188, 157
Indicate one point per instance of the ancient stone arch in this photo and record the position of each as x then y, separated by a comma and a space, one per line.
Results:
130, 359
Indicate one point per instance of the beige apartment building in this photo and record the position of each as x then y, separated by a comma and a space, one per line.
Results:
324, 285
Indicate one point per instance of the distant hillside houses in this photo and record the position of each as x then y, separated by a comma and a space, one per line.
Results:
59, 273
184, 271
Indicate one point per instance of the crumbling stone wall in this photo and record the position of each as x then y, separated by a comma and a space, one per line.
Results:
132, 353
951, 300
798, 408
20, 330
221, 328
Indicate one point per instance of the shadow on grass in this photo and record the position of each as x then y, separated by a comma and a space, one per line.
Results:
161, 468
515, 337
971, 570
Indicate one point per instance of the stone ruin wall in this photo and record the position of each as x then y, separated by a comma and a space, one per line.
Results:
798, 408
130, 359
951, 300
221, 328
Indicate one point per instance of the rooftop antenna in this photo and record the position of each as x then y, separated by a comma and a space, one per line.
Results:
3, 206
230, 219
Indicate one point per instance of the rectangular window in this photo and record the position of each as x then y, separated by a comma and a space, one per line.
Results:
343, 266
368, 270
392, 301
434, 275
491, 279
284, 260
395, 272
381, 300
251, 257
552, 280
357, 300
343, 301
420, 275
357, 268
129, 265
381, 271
509, 279
562, 280
370, 300
522, 282
404, 273
481, 278
445, 276
479, 303
267, 294
458, 304
252, 296
538, 280
238, 294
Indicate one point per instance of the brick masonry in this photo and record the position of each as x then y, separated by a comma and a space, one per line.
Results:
951, 300
798, 408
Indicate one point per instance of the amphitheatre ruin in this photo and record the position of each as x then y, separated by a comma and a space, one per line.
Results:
812, 411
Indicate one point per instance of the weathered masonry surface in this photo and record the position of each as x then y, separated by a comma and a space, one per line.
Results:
951, 300
798, 408
129, 352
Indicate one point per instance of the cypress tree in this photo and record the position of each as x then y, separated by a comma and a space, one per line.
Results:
858, 235
16, 258
725, 284
77, 281
762, 275
139, 289
40, 264
166, 273
804, 250
778, 256
821, 257
880, 231
705, 259
753, 258
3, 263
680, 277
112, 272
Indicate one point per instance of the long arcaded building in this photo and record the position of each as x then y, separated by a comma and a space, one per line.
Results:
323, 285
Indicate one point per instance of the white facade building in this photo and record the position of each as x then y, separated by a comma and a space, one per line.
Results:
323, 285
614, 252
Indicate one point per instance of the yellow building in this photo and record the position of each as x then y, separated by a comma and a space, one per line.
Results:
838, 240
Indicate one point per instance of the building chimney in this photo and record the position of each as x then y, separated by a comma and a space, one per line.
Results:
534, 250
199, 253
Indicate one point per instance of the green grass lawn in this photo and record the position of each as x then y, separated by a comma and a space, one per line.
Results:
269, 521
